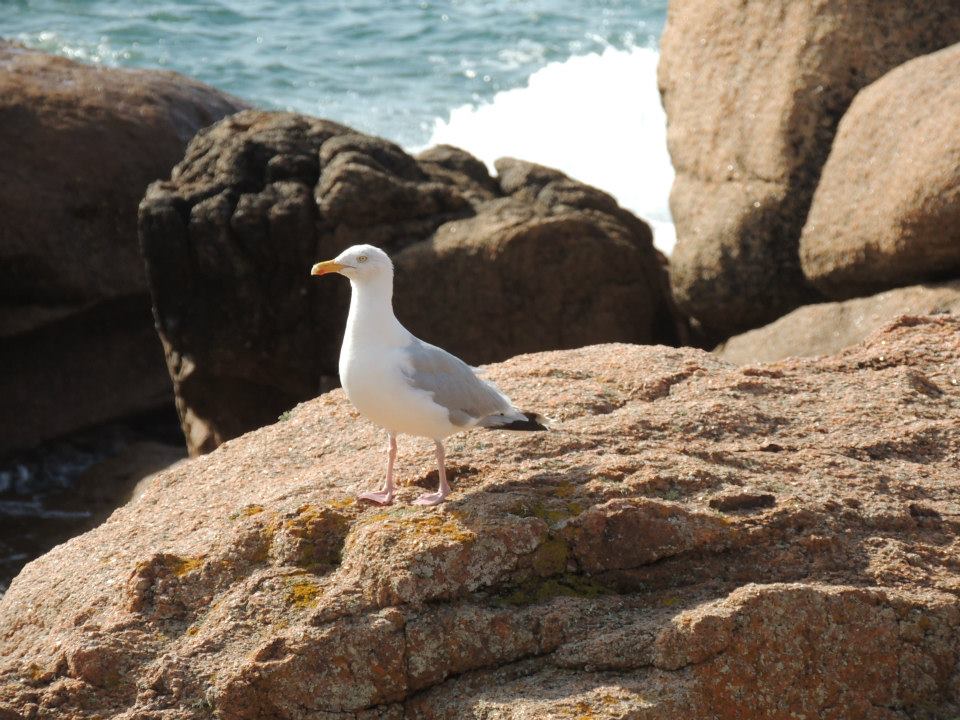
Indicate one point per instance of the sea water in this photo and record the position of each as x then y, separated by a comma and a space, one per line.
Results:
564, 83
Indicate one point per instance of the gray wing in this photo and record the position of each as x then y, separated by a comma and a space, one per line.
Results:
453, 385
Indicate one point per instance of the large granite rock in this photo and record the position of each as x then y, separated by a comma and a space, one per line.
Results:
486, 267
753, 91
826, 328
887, 210
79, 145
692, 540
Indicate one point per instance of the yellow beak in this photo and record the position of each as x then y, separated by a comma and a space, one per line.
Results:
330, 266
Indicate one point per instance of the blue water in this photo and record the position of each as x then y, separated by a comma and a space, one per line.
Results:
389, 67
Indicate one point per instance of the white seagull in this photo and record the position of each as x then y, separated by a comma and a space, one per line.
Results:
403, 384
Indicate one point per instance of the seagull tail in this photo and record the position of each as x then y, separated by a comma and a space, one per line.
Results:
520, 420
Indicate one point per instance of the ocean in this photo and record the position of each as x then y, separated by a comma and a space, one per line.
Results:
563, 83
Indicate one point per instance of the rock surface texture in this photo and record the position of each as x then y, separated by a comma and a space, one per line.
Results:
693, 540
887, 210
486, 267
826, 328
753, 91
79, 146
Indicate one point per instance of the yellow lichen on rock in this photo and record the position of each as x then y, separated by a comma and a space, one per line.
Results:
313, 537
303, 593
449, 527
181, 566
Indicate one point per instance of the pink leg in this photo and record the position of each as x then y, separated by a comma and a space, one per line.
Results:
440, 495
385, 496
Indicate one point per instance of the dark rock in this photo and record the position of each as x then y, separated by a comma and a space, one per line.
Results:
79, 145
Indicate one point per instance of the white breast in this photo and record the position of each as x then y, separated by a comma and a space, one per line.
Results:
377, 386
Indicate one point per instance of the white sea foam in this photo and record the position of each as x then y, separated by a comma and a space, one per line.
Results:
101, 52
596, 117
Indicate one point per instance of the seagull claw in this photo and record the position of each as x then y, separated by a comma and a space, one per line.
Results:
381, 497
430, 499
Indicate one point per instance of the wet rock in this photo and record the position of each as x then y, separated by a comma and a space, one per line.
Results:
826, 328
753, 93
535, 259
80, 144
585, 571
887, 210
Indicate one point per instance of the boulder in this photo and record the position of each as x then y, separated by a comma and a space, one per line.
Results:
753, 91
887, 210
826, 328
79, 145
486, 267
693, 539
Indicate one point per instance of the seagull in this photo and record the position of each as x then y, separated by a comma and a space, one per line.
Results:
403, 384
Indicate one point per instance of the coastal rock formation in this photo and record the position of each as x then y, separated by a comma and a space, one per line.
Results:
79, 145
693, 539
826, 328
753, 91
486, 267
887, 210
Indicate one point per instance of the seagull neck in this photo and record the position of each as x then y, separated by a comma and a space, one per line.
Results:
371, 317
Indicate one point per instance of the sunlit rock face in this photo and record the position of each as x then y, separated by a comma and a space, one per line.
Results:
691, 539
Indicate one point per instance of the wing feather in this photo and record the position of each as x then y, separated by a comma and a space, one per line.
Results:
454, 385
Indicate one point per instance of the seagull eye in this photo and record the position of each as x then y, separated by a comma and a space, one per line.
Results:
361, 258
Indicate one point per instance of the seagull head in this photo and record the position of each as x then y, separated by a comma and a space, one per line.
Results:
359, 263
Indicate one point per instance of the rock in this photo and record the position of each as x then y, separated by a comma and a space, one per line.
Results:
124, 476
753, 93
80, 144
579, 572
486, 267
54, 492
826, 328
887, 210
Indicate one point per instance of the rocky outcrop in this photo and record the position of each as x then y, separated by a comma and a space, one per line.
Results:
79, 145
826, 328
887, 210
692, 539
486, 267
753, 92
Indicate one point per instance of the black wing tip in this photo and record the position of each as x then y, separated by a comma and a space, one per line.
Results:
534, 423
